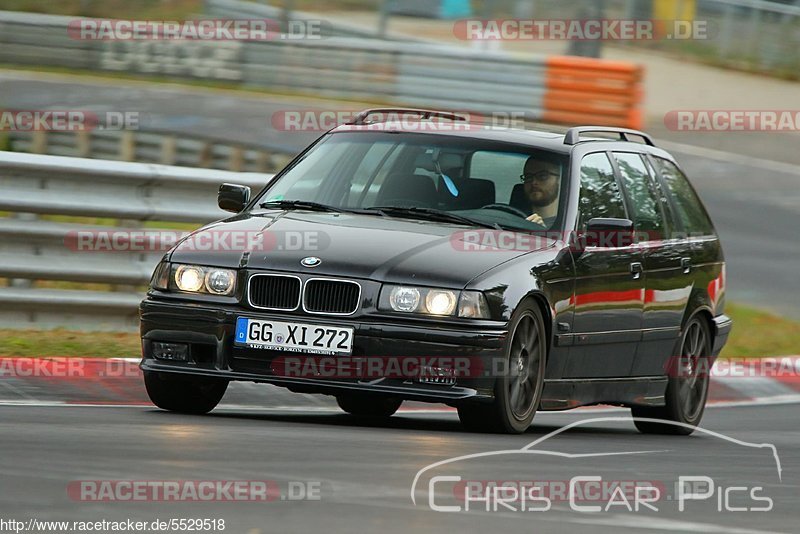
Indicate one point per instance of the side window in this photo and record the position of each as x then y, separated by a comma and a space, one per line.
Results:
643, 202
600, 195
689, 210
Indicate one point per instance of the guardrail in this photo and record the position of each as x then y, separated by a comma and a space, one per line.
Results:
237, 9
34, 244
151, 147
758, 35
407, 73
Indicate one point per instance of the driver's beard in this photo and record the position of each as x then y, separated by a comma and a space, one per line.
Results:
548, 198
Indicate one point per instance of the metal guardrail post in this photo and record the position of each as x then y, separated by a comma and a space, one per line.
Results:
39, 142
127, 146
168, 150
236, 159
205, 156
83, 144
23, 282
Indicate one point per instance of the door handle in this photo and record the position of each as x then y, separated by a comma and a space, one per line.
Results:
686, 265
636, 270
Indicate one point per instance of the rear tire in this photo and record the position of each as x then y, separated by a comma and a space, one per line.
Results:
368, 405
687, 389
518, 391
184, 394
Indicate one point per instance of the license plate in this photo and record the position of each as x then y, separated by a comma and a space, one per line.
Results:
293, 337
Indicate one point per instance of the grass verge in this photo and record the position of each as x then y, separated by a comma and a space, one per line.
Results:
755, 334
31, 343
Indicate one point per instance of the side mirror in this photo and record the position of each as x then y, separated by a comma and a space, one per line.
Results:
232, 197
603, 232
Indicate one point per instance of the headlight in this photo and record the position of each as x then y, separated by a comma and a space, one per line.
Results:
220, 281
194, 279
189, 278
440, 302
431, 301
404, 299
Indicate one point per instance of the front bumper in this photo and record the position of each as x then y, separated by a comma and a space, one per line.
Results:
208, 329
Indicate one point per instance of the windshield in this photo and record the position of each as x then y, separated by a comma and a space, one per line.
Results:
488, 182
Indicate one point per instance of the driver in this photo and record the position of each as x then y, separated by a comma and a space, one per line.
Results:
541, 179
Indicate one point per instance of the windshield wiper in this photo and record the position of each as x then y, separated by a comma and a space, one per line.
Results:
433, 215
300, 205
317, 206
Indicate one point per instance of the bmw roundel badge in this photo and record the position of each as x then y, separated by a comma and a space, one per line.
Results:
311, 261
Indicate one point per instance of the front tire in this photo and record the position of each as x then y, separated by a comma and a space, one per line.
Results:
368, 405
184, 394
687, 389
518, 391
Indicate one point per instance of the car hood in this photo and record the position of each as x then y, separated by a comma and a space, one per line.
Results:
386, 249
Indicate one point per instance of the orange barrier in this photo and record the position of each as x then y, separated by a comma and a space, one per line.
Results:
582, 90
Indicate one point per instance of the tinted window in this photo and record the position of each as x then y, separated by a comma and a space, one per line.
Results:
689, 210
600, 196
362, 170
643, 201
369, 174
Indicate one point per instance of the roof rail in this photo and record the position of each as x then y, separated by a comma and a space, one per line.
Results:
361, 118
573, 135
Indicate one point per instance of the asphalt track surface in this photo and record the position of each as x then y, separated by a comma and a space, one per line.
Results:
364, 470
747, 180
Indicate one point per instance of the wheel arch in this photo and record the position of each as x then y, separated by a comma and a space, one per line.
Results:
540, 301
705, 313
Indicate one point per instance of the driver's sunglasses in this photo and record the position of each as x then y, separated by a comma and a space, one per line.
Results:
540, 176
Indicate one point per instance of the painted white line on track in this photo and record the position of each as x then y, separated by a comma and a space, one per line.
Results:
665, 524
730, 157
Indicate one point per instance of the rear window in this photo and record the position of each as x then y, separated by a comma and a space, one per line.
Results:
688, 209
644, 203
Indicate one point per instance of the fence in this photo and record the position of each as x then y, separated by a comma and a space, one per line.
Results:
757, 35
761, 35
408, 73
39, 192
151, 147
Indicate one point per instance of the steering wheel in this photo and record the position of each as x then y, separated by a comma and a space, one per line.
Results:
506, 208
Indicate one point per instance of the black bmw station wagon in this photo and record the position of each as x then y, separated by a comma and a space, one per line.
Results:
499, 271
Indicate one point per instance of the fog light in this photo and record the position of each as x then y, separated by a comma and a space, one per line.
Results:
178, 352
437, 375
